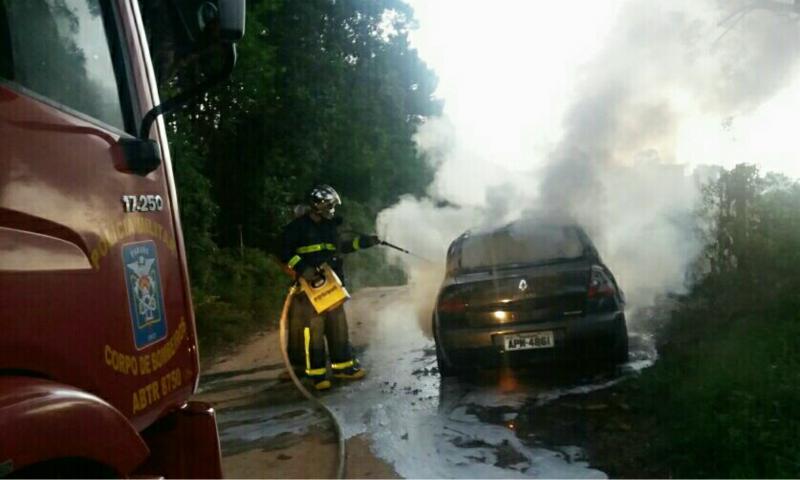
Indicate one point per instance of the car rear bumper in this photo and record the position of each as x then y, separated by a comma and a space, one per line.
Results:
574, 338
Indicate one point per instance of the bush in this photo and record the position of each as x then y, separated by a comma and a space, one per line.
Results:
366, 268
727, 403
725, 392
244, 294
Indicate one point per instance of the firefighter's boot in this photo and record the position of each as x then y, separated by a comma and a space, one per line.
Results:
351, 372
320, 382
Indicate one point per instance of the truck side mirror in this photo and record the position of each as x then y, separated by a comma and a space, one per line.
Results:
231, 17
140, 155
231, 20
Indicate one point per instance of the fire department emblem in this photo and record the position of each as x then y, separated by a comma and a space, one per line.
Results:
144, 293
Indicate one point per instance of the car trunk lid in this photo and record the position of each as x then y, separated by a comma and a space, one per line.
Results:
521, 294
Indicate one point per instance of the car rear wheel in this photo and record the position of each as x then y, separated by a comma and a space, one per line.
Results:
619, 347
445, 369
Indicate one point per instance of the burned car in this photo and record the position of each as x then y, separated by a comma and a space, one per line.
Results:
525, 293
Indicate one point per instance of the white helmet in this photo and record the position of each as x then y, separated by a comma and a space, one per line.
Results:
323, 201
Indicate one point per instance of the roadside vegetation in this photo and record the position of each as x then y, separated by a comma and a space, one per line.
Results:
324, 92
724, 397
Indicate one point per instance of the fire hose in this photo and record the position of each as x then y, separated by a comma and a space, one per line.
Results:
311, 398
340, 469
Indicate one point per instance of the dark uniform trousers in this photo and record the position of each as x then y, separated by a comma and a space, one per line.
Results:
308, 331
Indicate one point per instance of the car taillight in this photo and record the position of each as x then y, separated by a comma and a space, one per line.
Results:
454, 304
600, 285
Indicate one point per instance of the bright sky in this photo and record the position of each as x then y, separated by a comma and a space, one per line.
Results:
506, 71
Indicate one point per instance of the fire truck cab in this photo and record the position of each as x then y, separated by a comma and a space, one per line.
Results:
98, 350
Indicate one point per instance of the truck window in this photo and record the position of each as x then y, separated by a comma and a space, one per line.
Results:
60, 49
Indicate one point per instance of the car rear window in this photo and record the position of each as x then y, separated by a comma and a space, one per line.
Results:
521, 245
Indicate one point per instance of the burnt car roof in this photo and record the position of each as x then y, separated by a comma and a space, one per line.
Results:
580, 241
483, 232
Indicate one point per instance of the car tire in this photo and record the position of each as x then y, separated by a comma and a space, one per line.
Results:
445, 370
619, 346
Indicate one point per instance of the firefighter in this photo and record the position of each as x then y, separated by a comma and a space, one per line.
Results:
310, 241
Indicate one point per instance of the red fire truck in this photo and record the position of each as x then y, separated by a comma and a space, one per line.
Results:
98, 350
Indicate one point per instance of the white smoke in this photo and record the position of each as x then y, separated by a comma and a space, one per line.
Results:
614, 169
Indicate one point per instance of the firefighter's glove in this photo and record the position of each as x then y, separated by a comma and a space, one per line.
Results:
367, 241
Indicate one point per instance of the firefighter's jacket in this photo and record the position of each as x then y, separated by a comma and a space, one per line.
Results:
307, 243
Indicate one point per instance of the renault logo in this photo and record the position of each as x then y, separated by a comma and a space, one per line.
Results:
523, 285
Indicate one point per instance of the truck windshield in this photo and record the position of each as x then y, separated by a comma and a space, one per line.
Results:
520, 245
59, 49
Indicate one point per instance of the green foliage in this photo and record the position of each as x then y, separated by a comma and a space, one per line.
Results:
325, 91
727, 403
248, 291
322, 95
754, 230
725, 390
198, 210
368, 267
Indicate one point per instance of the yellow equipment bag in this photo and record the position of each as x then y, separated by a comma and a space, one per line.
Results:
326, 294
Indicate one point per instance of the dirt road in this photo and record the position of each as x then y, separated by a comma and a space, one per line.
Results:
267, 429
400, 421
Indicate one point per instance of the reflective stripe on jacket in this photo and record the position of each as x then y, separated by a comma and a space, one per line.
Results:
307, 243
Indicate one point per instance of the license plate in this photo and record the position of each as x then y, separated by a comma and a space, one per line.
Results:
528, 341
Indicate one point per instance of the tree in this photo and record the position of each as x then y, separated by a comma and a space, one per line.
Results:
325, 91
728, 207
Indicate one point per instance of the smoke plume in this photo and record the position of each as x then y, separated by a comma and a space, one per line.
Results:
614, 169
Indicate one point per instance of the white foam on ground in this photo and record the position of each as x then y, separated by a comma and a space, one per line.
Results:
426, 430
